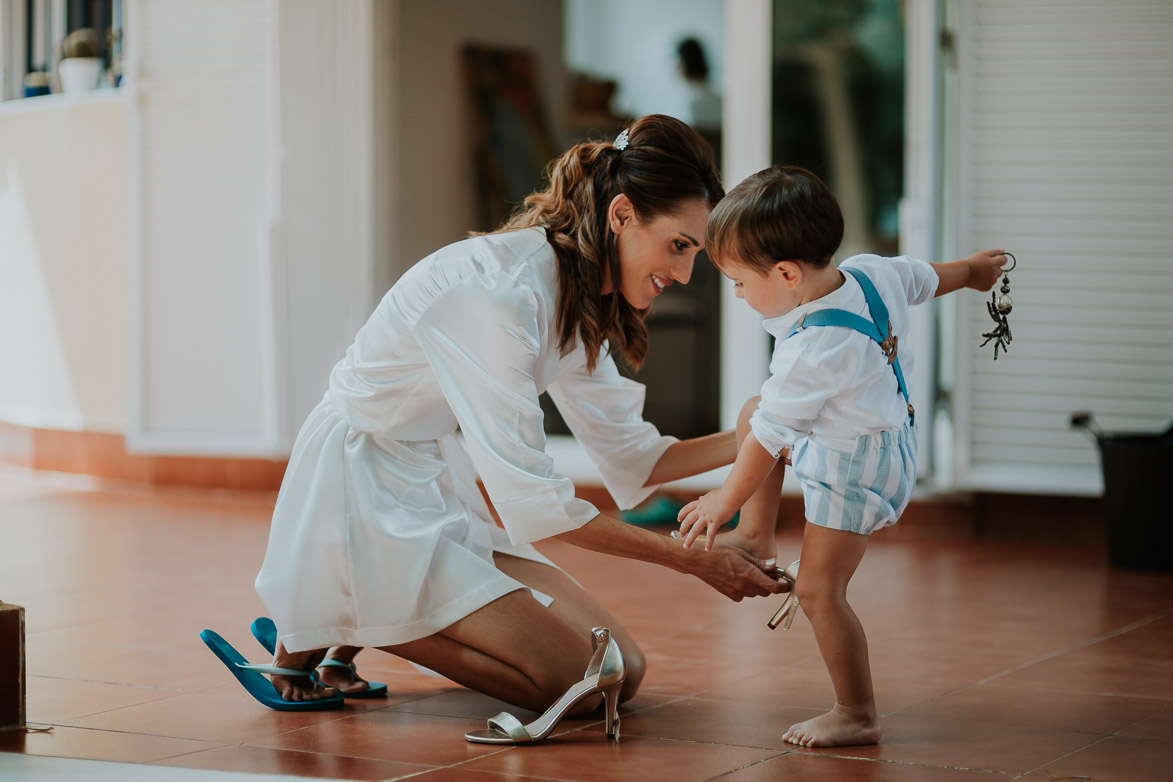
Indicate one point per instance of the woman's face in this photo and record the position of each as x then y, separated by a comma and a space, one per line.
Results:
656, 253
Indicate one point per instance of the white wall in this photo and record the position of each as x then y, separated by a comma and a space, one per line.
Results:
63, 247
634, 43
436, 202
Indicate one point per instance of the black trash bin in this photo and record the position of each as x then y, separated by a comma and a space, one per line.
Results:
1138, 494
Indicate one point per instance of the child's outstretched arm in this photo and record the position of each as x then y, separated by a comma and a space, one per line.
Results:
979, 271
710, 512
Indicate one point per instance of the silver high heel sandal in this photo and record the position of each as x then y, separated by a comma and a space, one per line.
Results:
790, 604
605, 674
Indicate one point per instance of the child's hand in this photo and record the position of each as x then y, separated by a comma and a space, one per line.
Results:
704, 516
984, 269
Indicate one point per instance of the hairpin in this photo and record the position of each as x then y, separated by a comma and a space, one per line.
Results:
620, 142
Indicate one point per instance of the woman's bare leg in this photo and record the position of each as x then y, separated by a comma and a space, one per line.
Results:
829, 560
519, 651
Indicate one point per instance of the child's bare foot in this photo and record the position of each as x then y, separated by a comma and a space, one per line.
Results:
764, 550
836, 728
338, 671
297, 689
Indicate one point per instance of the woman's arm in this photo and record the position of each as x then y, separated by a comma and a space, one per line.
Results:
686, 458
728, 570
979, 271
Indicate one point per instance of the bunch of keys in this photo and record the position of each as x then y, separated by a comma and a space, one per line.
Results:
999, 307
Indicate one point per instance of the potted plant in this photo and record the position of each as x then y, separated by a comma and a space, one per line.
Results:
80, 67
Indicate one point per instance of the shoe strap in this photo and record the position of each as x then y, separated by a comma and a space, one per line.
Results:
328, 663
511, 726
273, 670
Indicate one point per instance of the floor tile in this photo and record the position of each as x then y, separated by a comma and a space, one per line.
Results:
1091, 671
584, 756
803, 766
1075, 711
991, 659
716, 722
1158, 726
423, 739
57, 700
206, 717
1115, 760
463, 774
809, 686
264, 760
967, 744
67, 742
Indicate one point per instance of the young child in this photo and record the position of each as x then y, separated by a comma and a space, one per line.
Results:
835, 406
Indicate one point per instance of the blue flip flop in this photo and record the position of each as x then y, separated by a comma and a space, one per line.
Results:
257, 685
266, 634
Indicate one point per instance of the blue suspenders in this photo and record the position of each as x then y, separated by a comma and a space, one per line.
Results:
885, 339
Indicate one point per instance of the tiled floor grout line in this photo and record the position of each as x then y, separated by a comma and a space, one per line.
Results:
1082, 645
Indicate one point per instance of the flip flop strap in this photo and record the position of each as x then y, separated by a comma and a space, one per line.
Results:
328, 663
273, 669
511, 726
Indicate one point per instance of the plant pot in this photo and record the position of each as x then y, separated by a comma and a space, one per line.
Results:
79, 74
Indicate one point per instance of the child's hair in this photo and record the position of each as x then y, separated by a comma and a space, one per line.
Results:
782, 213
663, 164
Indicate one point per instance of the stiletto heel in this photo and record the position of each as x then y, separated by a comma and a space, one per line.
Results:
611, 704
605, 674
789, 607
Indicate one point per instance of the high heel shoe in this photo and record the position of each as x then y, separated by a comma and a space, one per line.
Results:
790, 605
605, 674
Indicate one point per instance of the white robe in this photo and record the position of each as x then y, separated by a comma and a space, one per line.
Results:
380, 534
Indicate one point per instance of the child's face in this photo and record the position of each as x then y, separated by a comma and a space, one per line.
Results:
771, 291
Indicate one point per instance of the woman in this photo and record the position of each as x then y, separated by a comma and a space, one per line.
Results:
380, 535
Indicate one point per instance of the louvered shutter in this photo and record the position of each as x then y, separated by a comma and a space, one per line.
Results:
1065, 143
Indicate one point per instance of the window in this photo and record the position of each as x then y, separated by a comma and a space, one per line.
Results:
36, 35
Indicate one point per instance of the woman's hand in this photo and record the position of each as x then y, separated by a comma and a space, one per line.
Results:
729, 570
704, 516
732, 572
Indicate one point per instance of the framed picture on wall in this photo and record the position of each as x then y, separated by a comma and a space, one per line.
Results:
510, 137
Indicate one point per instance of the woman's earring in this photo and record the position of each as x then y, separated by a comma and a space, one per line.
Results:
999, 307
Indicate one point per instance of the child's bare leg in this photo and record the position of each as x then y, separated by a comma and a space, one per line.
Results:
829, 559
757, 524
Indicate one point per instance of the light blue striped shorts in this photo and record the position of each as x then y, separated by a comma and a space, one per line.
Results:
860, 490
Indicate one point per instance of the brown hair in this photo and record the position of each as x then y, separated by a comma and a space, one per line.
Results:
782, 213
664, 164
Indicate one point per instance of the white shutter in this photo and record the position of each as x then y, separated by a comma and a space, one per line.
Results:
1066, 159
253, 236
205, 145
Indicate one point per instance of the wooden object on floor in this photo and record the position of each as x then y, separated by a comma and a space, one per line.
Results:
12, 689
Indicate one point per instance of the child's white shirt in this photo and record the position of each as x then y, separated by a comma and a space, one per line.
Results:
832, 383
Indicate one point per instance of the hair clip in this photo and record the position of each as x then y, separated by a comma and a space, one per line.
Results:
620, 142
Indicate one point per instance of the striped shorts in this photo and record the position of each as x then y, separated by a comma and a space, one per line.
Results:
858, 490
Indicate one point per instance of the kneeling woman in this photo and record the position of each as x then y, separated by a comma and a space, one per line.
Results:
381, 537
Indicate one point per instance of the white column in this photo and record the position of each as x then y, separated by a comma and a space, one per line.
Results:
746, 133
920, 207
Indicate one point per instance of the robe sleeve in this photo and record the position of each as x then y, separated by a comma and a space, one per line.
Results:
482, 338
604, 410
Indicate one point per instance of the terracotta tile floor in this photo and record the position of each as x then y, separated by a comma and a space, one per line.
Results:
992, 660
